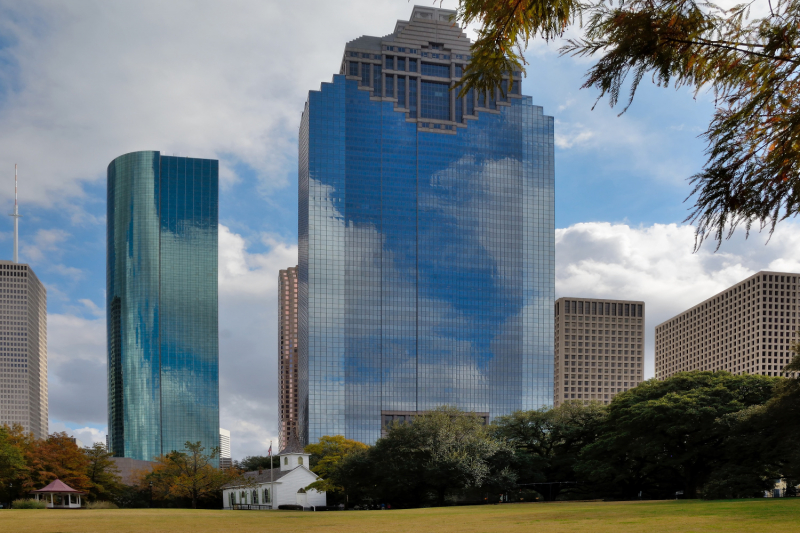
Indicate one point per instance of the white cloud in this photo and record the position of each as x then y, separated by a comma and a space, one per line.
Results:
85, 436
656, 264
46, 244
92, 307
85, 82
77, 368
69, 272
248, 296
569, 135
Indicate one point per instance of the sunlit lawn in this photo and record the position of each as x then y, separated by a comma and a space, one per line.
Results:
728, 516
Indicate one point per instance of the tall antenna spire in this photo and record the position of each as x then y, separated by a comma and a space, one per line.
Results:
16, 216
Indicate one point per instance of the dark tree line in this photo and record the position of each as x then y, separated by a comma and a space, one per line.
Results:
701, 434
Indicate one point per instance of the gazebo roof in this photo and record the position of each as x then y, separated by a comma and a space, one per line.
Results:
58, 486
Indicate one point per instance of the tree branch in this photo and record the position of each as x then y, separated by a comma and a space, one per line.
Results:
719, 44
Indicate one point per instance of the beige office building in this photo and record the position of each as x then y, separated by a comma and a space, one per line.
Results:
598, 348
747, 328
23, 349
287, 356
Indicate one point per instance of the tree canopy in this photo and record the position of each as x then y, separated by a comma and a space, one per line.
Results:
27, 463
102, 472
12, 465
705, 434
326, 457
665, 436
251, 463
188, 474
750, 63
548, 442
442, 452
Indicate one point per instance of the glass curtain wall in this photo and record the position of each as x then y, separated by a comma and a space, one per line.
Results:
426, 259
162, 304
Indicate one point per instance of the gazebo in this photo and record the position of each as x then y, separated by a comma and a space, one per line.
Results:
59, 495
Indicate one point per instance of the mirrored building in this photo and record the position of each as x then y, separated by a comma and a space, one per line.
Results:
161, 308
426, 237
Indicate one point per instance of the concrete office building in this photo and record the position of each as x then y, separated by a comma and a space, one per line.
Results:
287, 357
225, 460
162, 304
598, 348
23, 349
745, 329
426, 238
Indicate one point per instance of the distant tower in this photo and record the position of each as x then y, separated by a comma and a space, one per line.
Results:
23, 352
16, 216
288, 365
225, 460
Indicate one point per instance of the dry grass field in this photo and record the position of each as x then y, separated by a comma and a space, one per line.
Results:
732, 516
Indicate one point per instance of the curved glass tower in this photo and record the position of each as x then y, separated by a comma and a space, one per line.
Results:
426, 236
161, 304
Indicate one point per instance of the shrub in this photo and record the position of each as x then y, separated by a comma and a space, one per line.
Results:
28, 504
101, 505
290, 507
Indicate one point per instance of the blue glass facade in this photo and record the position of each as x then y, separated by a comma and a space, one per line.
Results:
426, 271
163, 352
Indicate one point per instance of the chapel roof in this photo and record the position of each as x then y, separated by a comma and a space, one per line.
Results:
259, 476
293, 446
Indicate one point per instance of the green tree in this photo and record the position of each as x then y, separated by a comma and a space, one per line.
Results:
751, 175
326, 457
670, 435
102, 472
12, 465
442, 452
253, 463
777, 424
547, 442
189, 474
746, 462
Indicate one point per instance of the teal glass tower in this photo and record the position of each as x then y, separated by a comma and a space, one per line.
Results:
161, 304
426, 239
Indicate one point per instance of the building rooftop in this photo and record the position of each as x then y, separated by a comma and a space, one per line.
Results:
260, 476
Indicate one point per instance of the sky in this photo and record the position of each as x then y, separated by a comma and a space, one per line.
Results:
84, 81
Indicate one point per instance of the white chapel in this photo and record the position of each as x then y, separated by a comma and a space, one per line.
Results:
285, 486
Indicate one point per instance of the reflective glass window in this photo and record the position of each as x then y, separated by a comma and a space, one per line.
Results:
389, 86
434, 69
412, 97
435, 100
376, 79
401, 91
365, 74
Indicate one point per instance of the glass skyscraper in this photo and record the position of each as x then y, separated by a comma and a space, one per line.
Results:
161, 304
426, 236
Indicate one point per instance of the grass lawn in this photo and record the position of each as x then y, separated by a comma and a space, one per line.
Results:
730, 516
